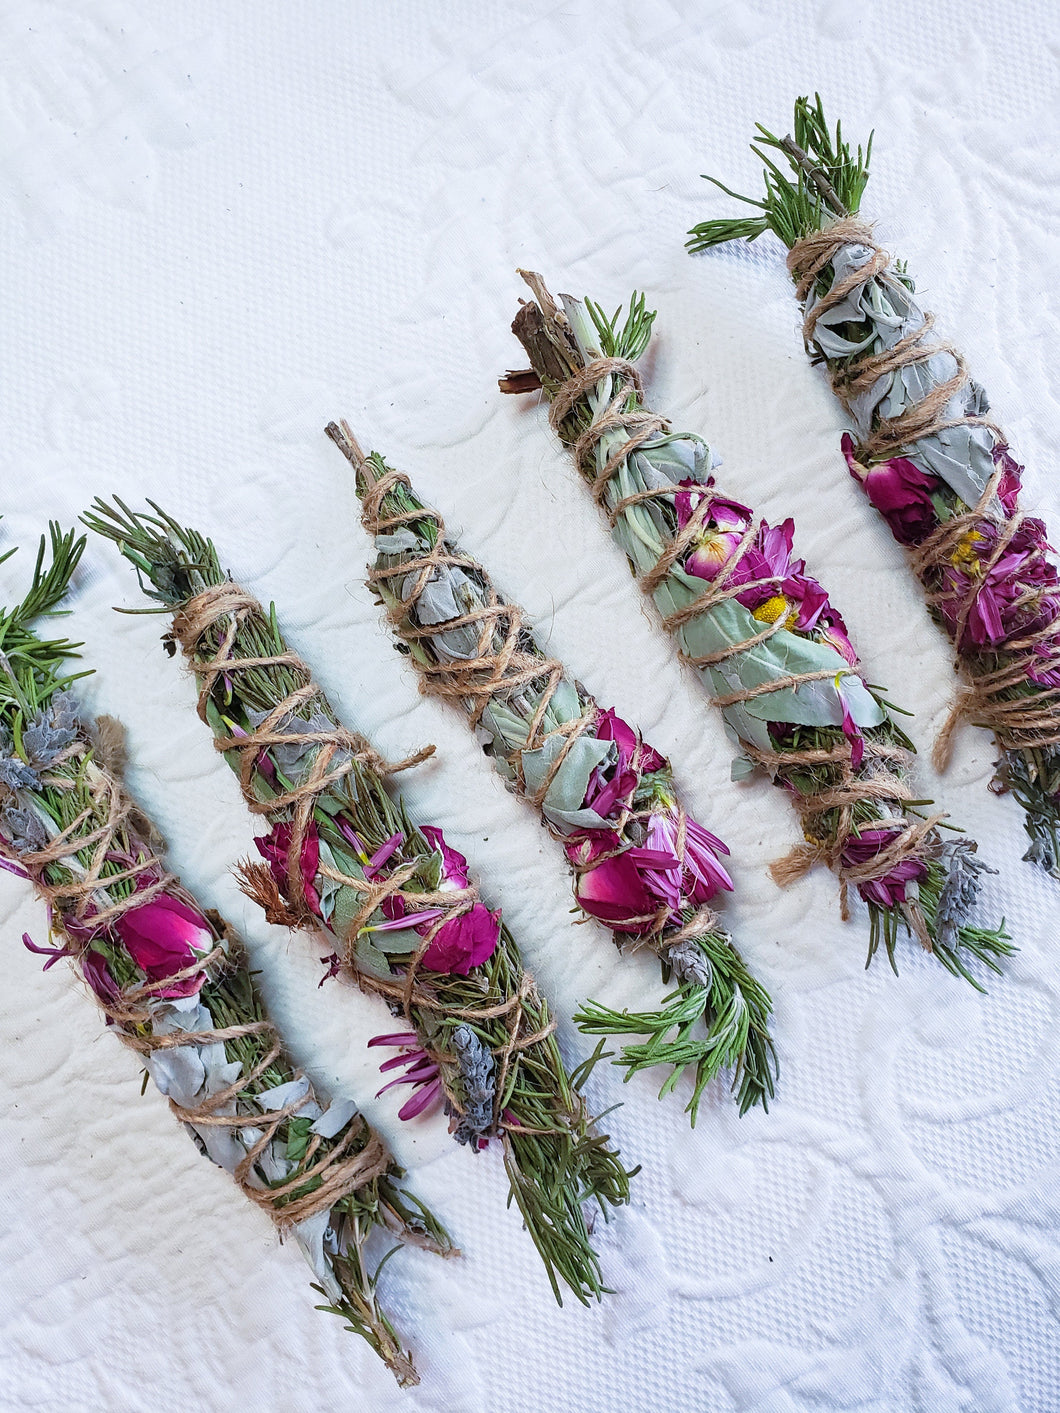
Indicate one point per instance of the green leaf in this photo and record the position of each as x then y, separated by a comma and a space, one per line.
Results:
368, 959
298, 1131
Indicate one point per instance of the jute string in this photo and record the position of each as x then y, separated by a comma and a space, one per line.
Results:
81, 887
505, 662
1018, 722
878, 778
208, 631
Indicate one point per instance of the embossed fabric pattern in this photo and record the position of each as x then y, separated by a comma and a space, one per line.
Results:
221, 227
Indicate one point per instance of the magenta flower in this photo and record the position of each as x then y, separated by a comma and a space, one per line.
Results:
770, 556
764, 565
1011, 478
702, 866
610, 796
850, 728
721, 533
767, 558
780, 584
611, 727
900, 491
454, 865
421, 1072
92, 964
469, 939
777, 580
1020, 594
464, 942
714, 550
725, 515
807, 597
832, 630
382, 856
274, 849
610, 792
985, 624
699, 874
1048, 673
395, 910
625, 890
460, 944
661, 869
94, 969
165, 936
52, 953
612, 890
889, 890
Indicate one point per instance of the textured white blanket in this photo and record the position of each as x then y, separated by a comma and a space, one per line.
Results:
223, 225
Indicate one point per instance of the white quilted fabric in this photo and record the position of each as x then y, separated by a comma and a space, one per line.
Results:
222, 225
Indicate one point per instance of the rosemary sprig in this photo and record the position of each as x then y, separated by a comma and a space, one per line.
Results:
734, 1012
827, 180
73, 795
705, 1029
824, 180
561, 342
555, 1160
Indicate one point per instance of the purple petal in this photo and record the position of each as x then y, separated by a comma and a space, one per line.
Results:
384, 852
52, 953
417, 1060
420, 1101
454, 865
405, 1079
348, 834
409, 920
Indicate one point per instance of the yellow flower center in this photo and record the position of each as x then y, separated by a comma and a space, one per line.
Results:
775, 608
964, 556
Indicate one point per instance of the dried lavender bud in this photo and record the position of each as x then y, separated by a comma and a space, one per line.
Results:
477, 1072
1040, 853
960, 889
51, 731
688, 963
24, 829
17, 775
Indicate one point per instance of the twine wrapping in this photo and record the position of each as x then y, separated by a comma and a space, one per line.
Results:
879, 776
1021, 722
338, 753
500, 672
337, 1170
